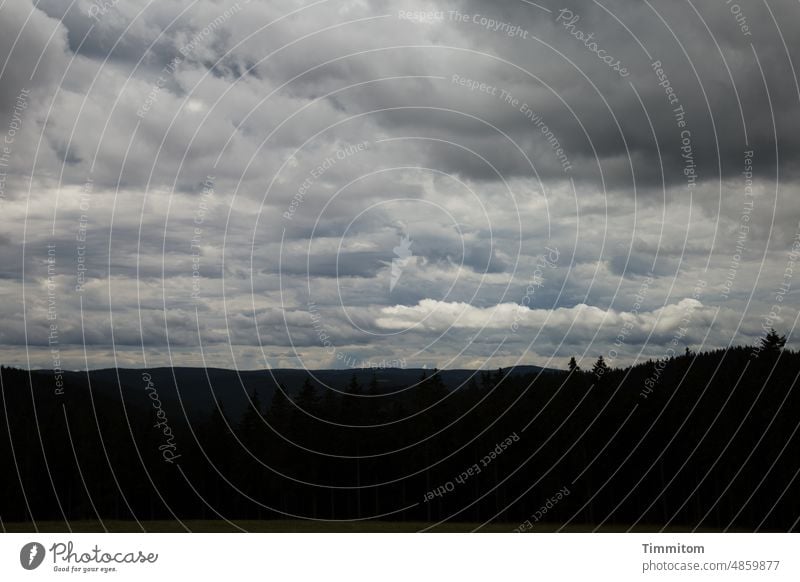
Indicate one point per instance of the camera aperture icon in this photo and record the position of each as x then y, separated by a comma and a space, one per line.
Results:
403, 255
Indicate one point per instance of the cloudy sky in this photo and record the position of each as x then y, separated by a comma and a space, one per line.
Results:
452, 184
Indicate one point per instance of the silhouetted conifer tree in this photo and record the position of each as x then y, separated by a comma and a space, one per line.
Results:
252, 424
373, 384
307, 399
278, 413
600, 368
772, 343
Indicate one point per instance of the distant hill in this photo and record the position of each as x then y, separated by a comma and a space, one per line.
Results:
698, 441
197, 390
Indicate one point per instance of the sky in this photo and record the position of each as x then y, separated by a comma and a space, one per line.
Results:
387, 183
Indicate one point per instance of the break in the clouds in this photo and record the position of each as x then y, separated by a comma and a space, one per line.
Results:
463, 183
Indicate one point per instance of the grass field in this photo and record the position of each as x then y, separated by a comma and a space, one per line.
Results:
290, 526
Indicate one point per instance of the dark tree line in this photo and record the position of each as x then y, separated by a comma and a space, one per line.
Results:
704, 440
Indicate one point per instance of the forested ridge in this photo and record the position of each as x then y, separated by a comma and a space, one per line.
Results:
706, 440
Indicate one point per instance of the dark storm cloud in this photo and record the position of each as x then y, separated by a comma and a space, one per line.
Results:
29, 58
98, 30
720, 105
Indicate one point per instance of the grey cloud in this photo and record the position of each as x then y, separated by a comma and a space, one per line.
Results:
473, 241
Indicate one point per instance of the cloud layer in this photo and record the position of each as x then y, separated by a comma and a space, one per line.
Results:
251, 184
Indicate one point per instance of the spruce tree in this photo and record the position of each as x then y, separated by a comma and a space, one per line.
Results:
772, 343
573, 365
252, 420
307, 399
278, 413
373, 384
600, 368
